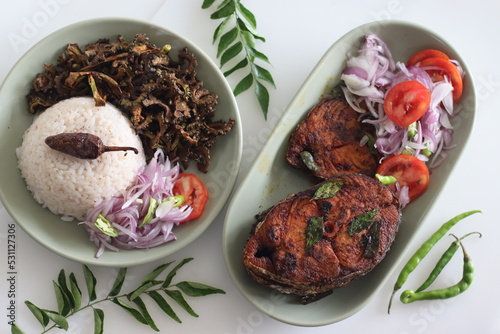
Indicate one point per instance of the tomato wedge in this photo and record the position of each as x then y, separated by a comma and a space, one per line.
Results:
406, 102
427, 53
444, 67
194, 191
408, 171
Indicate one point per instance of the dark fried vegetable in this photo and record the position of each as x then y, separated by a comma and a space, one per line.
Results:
82, 145
166, 103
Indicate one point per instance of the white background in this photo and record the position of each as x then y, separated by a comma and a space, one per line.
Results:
297, 34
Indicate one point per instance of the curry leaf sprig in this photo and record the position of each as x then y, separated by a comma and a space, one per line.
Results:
69, 298
237, 36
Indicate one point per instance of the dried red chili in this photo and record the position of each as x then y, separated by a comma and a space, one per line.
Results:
82, 145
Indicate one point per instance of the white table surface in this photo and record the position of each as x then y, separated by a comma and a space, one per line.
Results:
297, 34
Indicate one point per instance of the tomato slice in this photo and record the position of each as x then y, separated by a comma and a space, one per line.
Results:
427, 53
406, 102
194, 191
408, 171
445, 67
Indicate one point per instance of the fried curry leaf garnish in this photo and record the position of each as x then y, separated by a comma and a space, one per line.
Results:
314, 231
236, 36
167, 104
361, 222
308, 160
328, 189
162, 291
372, 240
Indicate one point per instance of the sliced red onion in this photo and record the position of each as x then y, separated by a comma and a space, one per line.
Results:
370, 74
126, 212
357, 71
368, 77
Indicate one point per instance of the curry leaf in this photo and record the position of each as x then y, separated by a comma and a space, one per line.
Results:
173, 272
361, 222
221, 28
75, 291
157, 271
15, 329
130, 310
61, 280
230, 53
151, 285
308, 160
117, 285
314, 231
207, 3
242, 64
328, 189
225, 11
236, 38
63, 304
256, 54
98, 321
263, 74
162, 303
248, 15
243, 85
58, 319
179, 298
145, 313
263, 96
226, 40
39, 314
143, 288
194, 289
372, 240
91, 282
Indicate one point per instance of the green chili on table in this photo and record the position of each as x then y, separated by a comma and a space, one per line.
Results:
423, 250
443, 261
409, 296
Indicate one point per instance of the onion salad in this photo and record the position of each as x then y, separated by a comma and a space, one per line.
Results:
370, 74
144, 215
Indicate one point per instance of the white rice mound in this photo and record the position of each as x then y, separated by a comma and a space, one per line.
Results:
70, 186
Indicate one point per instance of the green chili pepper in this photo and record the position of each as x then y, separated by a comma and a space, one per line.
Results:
427, 152
443, 261
105, 226
409, 296
385, 179
423, 250
153, 204
177, 199
412, 130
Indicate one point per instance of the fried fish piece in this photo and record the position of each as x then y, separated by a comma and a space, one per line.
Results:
327, 142
288, 250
